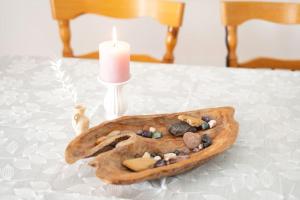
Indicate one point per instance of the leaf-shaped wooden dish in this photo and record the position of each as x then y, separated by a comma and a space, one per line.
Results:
110, 147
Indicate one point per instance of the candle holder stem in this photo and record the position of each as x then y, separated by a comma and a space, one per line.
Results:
115, 103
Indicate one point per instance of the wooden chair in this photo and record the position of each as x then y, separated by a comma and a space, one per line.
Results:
234, 13
166, 12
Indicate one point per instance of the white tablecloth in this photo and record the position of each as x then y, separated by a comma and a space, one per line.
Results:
36, 104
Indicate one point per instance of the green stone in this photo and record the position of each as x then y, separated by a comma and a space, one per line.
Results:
157, 135
205, 126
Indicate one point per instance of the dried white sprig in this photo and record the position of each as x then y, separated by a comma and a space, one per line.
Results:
64, 79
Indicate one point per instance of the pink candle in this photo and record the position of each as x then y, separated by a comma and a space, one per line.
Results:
114, 60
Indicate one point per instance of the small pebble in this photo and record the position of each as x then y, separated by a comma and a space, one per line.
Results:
156, 135
157, 158
206, 118
205, 126
154, 154
200, 146
177, 152
191, 140
212, 123
178, 129
139, 164
168, 156
185, 151
196, 149
206, 141
193, 121
147, 134
146, 155
160, 163
152, 129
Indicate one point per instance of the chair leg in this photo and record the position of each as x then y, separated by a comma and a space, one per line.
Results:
171, 41
65, 35
231, 44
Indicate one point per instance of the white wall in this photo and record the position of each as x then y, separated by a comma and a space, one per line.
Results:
27, 28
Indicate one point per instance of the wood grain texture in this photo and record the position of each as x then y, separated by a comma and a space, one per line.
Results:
235, 13
231, 44
169, 13
113, 148
65, 36
171, 41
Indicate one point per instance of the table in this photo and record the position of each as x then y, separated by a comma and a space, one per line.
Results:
37, 99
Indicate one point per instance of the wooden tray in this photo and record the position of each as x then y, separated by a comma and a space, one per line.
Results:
110, 152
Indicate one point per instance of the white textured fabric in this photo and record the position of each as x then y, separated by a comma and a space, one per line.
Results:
37, 98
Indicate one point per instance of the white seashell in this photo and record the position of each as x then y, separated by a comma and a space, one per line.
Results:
212, 123
152, 129
157, 158
146, 155
168, 156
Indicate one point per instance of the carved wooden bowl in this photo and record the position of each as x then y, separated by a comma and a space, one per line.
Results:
111, 147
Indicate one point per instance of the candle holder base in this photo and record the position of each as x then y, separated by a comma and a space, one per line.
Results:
115, 103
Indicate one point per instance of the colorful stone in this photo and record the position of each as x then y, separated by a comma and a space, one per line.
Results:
146, 155
178, 129
168, 156
205, 126
206, 140
147, 134
156, 135
206, 118
192, 121
191, 140
160, 163
212, 123
154, 154
177, 152
139, 164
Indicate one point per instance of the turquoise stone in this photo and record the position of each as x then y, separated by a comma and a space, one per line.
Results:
157, 135
205, 126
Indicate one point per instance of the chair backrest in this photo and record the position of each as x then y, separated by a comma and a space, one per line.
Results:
235, 13
166, 12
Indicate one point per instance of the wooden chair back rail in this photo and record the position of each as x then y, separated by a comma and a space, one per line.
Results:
234, 13
237, 12
168, 13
